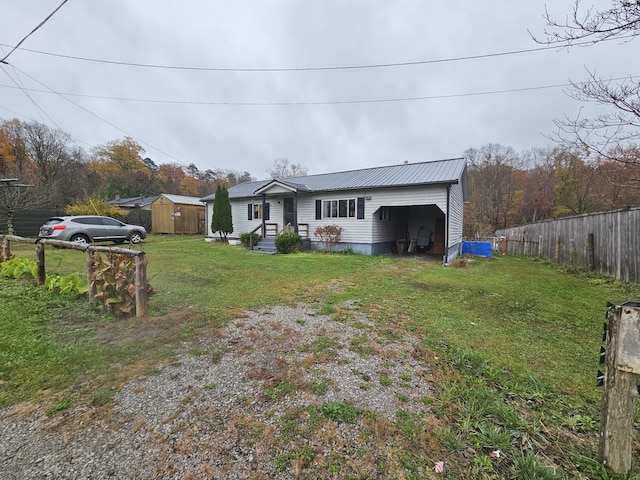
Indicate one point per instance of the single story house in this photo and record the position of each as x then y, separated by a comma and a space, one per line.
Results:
178, 214
409, 207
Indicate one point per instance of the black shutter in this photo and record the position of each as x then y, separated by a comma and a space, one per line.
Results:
266, 211
250, 212
318, 209
360, 208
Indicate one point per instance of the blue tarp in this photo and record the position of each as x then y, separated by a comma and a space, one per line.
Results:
480, 249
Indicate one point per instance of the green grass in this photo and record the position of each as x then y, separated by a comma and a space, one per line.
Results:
512, 342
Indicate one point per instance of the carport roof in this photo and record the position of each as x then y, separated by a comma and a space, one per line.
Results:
409, 174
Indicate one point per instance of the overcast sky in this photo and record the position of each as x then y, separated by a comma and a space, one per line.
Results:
321, 119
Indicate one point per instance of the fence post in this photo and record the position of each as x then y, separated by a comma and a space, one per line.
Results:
90, 279
41, 265
590, 253
540, 246
558, 249
6, 249
141, 285
622, 358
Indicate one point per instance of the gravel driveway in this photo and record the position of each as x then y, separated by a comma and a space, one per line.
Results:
235, 406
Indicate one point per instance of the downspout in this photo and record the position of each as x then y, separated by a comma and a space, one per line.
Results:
264, 209
446, 227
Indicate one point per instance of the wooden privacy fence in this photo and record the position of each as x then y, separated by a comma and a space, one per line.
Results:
607, 243
141, 293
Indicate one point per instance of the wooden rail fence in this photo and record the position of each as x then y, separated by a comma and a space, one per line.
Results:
140, 257
607, 243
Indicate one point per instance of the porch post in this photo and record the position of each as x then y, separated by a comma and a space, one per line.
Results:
295, 211
264, 209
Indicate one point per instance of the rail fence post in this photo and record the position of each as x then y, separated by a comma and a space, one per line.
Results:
141, 285
6, 249
42, 275
621, 363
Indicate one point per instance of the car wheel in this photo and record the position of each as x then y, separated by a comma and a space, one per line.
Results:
136, 237
79, 238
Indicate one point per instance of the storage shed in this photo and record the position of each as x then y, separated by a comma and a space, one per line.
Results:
177, 214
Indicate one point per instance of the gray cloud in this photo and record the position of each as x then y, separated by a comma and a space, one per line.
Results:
268, 34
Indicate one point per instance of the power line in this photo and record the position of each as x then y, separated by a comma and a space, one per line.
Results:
302, 103
4, 59
308, 69
51, 90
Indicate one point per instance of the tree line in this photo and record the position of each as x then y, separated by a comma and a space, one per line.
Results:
507, 189
44, 167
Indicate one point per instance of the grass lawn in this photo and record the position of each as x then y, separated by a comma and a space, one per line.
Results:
513, 342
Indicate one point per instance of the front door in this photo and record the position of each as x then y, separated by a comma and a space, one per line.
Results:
288, 211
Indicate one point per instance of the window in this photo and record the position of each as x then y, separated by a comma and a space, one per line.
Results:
344, 208
254, 211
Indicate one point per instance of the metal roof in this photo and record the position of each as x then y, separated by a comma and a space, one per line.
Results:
182, 199
408, 174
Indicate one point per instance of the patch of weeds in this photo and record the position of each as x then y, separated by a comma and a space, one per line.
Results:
187, 331
155, 371
527, 465
450, 439
210, 386
59, 407
403, 398
216, 352
318, 387
385, 381
487, 435
361, 346
482, 466
102, 397
326, 310
196, 352
323, 349
300, 321
298, 458
365, 385
280, 390
582, 423
410, 426
340, 411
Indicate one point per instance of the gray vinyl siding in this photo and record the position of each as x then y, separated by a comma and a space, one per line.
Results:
456, 210
387, 230
354, 230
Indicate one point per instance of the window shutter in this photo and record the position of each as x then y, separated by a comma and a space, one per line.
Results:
250, 212
318, 209
266, 211
360, 208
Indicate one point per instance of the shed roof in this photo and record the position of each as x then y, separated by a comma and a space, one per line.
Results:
132, 201
423, 173
182, 199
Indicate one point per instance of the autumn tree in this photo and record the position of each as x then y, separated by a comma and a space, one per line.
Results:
120, 165
221, 220
605, 134
575, 180
493, 184
283, 169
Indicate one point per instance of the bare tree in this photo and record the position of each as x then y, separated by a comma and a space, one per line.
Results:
283, 169
608, 134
